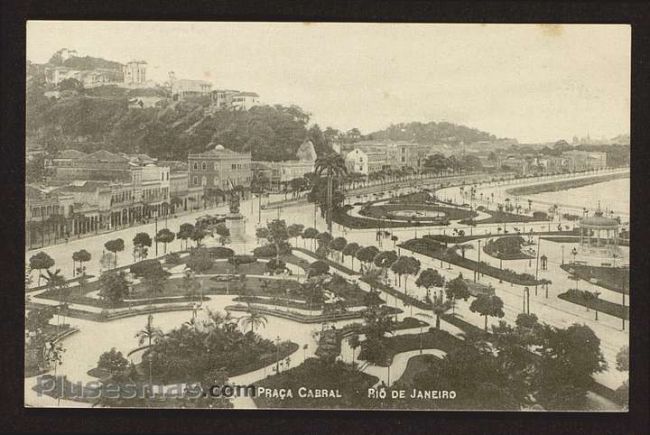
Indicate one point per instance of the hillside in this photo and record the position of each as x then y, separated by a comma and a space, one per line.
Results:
100, 118
433, 132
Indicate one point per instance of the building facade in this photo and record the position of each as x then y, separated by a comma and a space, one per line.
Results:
217, 167
135, 72
184, 88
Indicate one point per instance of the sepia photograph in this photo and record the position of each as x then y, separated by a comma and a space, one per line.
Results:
327, 216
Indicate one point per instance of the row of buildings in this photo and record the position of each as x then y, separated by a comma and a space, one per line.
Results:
220, 99
89, 193
367, 157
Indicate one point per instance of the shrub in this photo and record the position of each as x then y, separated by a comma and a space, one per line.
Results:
145, 267
268, 251
242, 259
540, 215
318, 268
220, 252
172, 258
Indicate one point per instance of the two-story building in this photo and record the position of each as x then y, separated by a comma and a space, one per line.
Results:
218, 167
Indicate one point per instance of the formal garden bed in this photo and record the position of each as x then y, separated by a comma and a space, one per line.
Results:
502, 217
346, 388
611, 278
391, 212
431, 339
588, 300
436, 250
506, 248
341, 217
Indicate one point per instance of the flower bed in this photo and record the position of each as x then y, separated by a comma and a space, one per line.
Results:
432, 339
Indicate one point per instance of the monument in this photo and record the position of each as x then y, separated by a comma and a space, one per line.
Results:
234, 219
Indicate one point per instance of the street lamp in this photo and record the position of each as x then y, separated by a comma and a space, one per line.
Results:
596, 294
574, 252
526, 301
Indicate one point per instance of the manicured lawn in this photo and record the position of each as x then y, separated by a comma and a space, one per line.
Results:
432, 339
332, 264
502, 217
612, 278
341, 217
312, 374
398, 294
387, 211
433, 249
603, 306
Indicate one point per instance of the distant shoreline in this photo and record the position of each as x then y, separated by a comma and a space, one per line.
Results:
564, 184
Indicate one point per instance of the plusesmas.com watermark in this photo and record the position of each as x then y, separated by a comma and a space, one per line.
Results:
46, 385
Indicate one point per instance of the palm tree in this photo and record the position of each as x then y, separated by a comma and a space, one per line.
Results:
254, 318
332, 166
56, 281
149, 333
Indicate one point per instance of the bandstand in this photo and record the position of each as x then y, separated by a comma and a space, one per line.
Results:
599, 233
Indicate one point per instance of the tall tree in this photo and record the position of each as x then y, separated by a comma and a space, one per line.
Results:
115, 246
113, 287
254, 319
165, 236
185, 232
351, 250
487, 305
275, 234
40, 261
332, 166
430, 278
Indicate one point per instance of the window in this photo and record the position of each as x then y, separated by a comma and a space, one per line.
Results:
196, 166
216, 166
234, 166
204, 166
204, 181
195, 181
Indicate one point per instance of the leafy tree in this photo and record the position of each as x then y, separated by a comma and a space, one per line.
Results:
81, 256
140, 241
351, 250
569, 358
405, 266
338, 244
165, 236
487, 305
384, 260
40, 261
366, 255
430, 278
198, 235
38, 318
199, 261
113, 362
310, 233
185, 232
113, 287
457, 289
295, 230
224, 234
71, 84
275, 234
115, 246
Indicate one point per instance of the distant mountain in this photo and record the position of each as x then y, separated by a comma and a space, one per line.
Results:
433, 133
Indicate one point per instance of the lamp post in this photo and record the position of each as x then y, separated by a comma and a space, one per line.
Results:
596, 294
574, 252
562, 254
526, 301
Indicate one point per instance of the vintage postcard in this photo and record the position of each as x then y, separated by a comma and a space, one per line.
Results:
340, 216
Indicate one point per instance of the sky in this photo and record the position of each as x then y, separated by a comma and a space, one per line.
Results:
536, 83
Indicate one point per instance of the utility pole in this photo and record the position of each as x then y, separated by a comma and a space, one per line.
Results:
478, 264
539, 239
